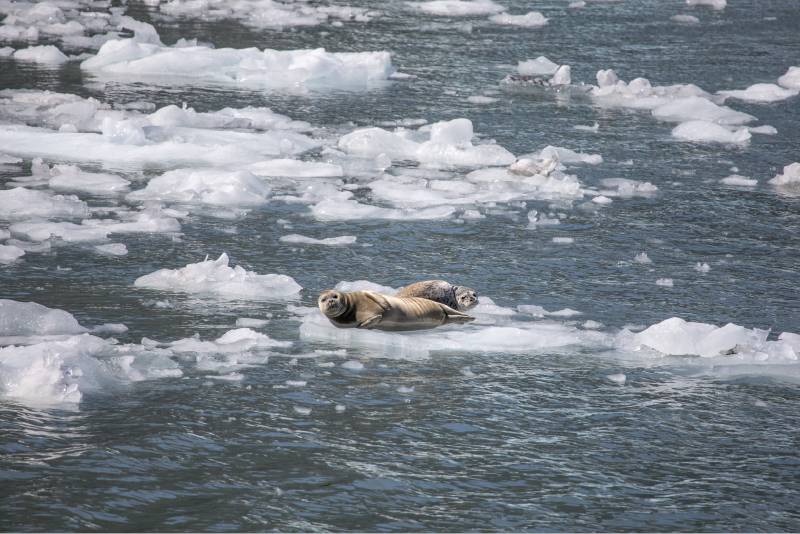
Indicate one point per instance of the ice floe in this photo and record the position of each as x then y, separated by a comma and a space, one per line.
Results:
206, 186
533, 19
215, 277
458, 8
45, 54
789, 178
296, 238
790, 80
710, 132
250, 66
22, 203
762, 92
50, 358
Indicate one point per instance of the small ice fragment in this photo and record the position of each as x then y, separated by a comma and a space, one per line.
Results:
789, 178
405, 389
340, 408
762, 92
246, 322
735, 179
708, 132
296, 238
563, 240
353, 364
704, 268
302, 411
112, 249
592, 325
481, 100
684, 19
296, 383
472, 214
642, 258
467, 372
326, 364
618, 378
602, 200
666, 282
533, 19
593, 129
541, 66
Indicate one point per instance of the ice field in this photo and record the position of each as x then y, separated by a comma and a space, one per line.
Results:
619, 182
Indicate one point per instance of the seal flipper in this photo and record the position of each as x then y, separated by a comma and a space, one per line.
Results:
370, 323
455, 316
379, 299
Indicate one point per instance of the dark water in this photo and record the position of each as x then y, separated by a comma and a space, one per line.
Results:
485, 441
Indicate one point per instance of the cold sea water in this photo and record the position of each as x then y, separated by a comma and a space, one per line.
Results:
171, 209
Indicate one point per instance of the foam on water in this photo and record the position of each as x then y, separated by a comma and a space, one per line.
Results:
215, 277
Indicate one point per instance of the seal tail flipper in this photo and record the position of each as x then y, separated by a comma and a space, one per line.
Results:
370, 323
379, 299
455, 316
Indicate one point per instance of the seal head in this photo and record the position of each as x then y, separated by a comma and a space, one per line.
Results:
466, 297
332, 303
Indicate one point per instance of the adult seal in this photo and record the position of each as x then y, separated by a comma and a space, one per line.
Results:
371, 310
457, 297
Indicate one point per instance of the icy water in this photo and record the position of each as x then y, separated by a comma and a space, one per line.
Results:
633, 362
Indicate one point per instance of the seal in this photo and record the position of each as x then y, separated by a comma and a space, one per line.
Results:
457, 297
371, 310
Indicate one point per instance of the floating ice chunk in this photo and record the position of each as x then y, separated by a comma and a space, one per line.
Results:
464, 154
592, 325
533, 19
296, 238
606, 78
716, 4
790, 80
642, 258
250, 66
246, 322
538, 311
458, 8
684, 19
30, 318
789, 178
124, 132
704, 268
592, 129
541, 66
149, 220
350, 209
765, 129
372, 142
295, 169
665, 282
39, 230
354, 365
675, 336
21, 203
697, 108
601, 199
761, 92
72, 177
112, 249
45, 54
5, 158
618, 378
578, 4
340, 408
562, 76
481, 100
12, 32
206, 186
360, 285
564, 240
710, 132
565, 155
215, 277
10, 253
472, 214
454, 131
735, 179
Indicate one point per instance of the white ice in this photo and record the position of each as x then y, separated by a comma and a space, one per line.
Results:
710, 132
205, 186
360, 285
715, 4
458, 8
350, 210
235, 343
249, 66
9, 253
762, 92
697, 108
449, 142
791, 80
789, 178
45, 54
684, 19
533, 19
296, 238
541, 66
22, 203
215, 277
735, 179
51, 358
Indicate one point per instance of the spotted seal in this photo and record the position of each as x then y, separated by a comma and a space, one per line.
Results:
369, 309
457, 297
